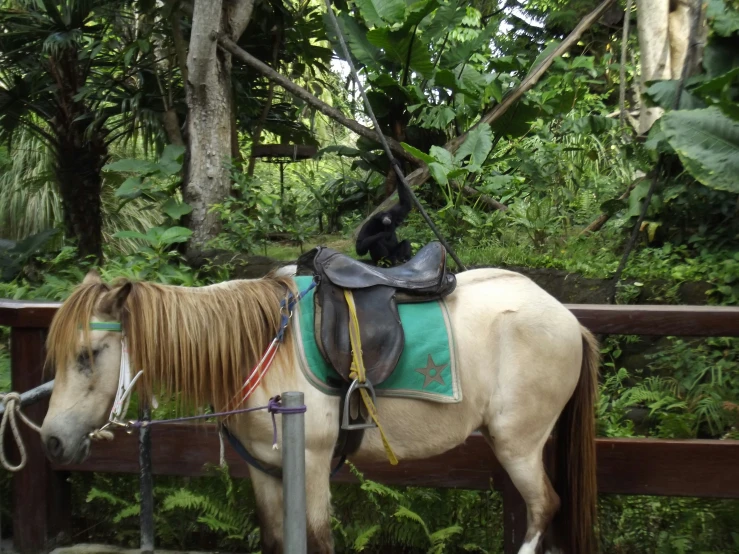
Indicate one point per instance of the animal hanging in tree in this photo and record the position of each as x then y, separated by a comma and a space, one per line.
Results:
378, 235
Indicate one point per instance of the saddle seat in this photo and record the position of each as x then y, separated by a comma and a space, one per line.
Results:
377, 293
422, 275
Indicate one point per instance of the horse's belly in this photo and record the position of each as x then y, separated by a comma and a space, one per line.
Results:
417, 429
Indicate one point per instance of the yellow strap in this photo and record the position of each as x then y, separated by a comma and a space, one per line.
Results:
358, 372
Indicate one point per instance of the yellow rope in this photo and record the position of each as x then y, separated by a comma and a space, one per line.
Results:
359, 373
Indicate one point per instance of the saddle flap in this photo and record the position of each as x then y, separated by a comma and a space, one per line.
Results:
380, 330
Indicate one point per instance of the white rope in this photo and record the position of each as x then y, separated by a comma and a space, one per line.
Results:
222, 456
12, 402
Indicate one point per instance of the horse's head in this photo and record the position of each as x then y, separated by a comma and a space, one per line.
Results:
86, 358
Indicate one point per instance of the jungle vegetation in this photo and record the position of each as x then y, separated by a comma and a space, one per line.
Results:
127, 136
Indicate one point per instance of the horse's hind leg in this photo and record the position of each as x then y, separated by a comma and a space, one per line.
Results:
526, 470
519, 424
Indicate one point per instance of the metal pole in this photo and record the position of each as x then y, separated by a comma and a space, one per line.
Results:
34, 395
147, 487
293, 476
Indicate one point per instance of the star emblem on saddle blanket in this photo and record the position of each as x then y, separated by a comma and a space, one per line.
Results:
432, 372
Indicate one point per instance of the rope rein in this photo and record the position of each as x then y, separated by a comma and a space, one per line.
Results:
12, 402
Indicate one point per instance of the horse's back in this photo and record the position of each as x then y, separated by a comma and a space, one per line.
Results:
493, 292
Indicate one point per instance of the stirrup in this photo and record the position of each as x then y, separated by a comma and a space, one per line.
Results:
355, 386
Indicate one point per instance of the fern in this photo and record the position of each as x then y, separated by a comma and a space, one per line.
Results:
364, 539
97, 494
218, 525
182, 498
440, 538
473, 548
217, 516
129, 511
374, 488
405, 513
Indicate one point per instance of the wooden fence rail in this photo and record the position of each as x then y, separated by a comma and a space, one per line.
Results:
700, 468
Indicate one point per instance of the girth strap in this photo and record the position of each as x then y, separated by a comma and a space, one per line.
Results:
268, 469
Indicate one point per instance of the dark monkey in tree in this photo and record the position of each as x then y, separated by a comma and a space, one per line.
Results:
378, 235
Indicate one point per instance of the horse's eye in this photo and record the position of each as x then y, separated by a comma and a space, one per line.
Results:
83, 359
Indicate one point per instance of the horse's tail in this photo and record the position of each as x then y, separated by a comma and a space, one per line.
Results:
576, 481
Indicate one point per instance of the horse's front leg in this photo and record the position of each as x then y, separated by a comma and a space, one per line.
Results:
318, 502
268, 492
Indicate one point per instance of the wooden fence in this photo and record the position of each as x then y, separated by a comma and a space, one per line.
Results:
699, 468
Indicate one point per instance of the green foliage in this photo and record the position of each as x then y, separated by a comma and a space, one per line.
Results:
667, 525
158, 238
477, 146
725, 20
13, 258
707, 142
381, 13
207, 509
249, 216
155, 181
415, 520
687, 389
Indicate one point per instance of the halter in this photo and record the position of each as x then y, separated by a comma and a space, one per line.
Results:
125, 381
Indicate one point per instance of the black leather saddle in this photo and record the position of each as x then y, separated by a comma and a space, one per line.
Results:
377, 293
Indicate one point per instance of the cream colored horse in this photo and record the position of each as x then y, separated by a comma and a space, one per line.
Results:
525, 363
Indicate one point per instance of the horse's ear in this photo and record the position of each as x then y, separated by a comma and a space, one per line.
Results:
92, 278
113, 301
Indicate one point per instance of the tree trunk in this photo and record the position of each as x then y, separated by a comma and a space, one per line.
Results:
663, 30
80, 153
654, 46
209, 100
78, 167
171, 124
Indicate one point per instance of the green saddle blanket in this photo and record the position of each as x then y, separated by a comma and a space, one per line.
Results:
427, 368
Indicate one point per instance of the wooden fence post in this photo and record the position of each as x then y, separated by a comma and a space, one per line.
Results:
41, 497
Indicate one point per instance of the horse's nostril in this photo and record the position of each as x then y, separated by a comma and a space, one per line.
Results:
54, 447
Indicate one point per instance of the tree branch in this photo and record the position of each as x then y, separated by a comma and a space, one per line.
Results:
257, 134
622, 75
421, 175
238, 14
484, 198
601, 220
230, 46
180, 46
533, 77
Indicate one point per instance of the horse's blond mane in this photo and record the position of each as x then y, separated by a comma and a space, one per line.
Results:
73, 315
198, 343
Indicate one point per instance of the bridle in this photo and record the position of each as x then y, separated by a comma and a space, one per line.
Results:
126, 383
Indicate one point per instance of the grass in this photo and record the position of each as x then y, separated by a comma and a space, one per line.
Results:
285, 252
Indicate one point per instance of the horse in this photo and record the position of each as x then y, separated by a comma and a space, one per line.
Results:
525, 364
